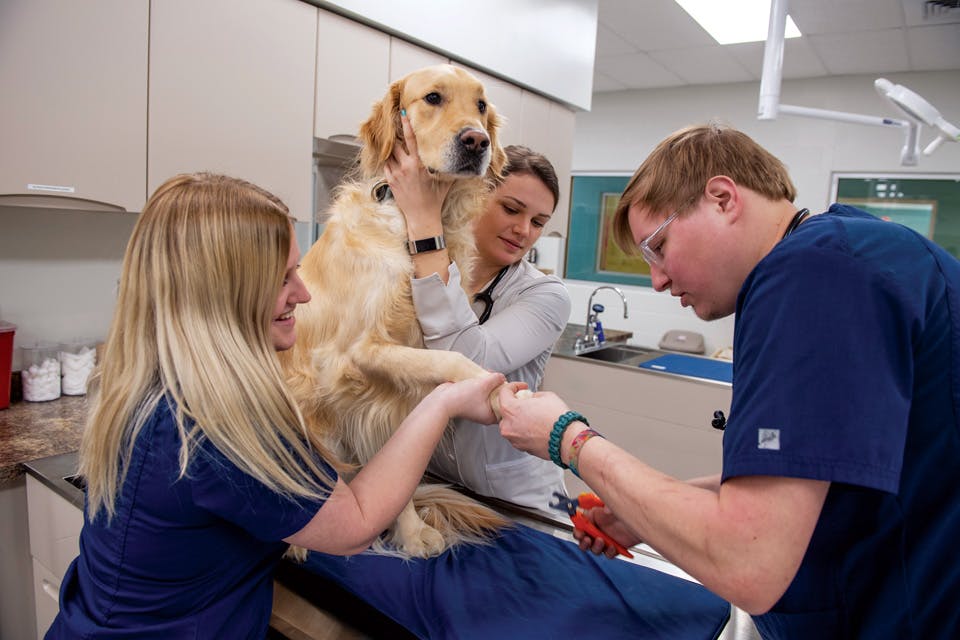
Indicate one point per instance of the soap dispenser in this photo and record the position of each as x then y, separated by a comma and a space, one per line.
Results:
597, 326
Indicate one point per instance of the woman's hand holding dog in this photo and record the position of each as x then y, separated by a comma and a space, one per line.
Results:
419, 197
418, 194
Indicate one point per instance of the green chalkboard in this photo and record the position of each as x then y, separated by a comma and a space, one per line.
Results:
927, 203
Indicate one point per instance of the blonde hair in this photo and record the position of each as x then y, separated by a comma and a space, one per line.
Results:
200, 277
674, 175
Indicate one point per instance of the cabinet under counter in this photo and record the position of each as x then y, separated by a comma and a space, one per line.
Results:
662, 419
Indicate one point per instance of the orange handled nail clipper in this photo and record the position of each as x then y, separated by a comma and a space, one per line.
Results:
575, 506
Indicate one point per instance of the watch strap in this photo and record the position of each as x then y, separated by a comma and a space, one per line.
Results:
426, 244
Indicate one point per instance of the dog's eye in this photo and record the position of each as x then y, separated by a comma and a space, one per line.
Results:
433, 98
482, 105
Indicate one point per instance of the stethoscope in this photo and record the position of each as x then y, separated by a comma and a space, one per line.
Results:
486, 296
719, 420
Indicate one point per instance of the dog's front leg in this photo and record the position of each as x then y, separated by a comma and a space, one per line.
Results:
413, 369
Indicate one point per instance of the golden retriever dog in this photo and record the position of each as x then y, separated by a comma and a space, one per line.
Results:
359, 365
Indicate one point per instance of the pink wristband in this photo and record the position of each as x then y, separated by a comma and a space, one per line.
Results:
576, 445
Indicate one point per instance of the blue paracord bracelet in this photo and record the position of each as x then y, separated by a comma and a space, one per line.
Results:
556, 435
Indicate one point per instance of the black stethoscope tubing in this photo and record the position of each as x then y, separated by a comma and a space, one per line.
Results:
486, 296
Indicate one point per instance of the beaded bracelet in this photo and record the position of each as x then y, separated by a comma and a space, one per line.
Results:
575, 447
556, 435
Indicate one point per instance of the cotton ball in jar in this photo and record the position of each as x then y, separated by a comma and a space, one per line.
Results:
41, 379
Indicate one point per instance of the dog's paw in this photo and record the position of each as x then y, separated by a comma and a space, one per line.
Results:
414, 537
426, 543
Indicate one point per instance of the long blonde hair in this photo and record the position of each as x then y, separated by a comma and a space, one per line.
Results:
200, 277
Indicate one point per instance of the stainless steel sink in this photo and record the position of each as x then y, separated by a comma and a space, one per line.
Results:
77, 480
621, 354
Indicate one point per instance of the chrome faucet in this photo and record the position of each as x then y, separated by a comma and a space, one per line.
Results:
589, 338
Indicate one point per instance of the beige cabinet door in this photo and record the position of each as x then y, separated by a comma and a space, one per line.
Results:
406, 58
547, 127
54, 529
353, 72
231, 91
661, 419
73, 117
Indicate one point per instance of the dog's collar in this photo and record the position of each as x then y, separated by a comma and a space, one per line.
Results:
381, 191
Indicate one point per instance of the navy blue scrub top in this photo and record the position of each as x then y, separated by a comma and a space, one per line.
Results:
187, 558
847, 369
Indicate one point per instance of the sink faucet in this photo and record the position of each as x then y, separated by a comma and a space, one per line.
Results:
590, 337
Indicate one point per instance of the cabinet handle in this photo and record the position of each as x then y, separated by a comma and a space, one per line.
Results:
50, 590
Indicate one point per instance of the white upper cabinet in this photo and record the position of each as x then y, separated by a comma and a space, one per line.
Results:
106, 99
353, 71
73, 116
406, 58
231, 91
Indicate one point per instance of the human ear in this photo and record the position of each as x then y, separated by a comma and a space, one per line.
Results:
723, 192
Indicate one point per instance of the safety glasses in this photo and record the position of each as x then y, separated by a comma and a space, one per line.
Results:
650, 248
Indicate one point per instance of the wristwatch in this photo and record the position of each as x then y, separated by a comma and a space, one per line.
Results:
425, 244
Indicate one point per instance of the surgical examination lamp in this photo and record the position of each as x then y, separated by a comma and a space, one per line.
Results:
917, 110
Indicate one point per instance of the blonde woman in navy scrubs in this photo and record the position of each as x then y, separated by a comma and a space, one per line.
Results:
509, 320
198, 466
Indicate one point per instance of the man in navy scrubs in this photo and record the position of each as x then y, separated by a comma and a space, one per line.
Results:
837, 514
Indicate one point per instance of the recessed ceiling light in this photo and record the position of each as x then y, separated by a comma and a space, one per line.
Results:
735, 20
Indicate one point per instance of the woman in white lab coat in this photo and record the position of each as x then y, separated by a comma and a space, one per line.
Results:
506, 317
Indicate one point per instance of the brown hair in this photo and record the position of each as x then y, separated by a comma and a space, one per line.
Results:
675, 174
521, 159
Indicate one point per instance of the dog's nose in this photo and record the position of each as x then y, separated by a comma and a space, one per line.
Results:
474, 139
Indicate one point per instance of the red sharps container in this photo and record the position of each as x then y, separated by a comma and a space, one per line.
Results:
6, 361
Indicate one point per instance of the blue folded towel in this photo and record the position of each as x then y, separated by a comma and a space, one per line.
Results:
694, 366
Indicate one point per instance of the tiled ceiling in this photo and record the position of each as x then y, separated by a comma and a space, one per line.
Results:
645, 44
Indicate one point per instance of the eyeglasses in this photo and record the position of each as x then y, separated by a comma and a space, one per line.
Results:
650, 248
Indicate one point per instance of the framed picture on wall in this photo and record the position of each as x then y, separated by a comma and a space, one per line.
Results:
927, 203
591, 251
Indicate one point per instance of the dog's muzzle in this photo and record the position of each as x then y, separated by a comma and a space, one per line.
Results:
471, 152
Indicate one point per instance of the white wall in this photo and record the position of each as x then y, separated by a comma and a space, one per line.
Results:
623, 127
58, 272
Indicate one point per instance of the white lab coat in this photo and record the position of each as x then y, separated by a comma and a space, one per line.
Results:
530, 311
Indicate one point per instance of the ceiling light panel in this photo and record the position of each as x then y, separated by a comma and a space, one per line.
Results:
734, 21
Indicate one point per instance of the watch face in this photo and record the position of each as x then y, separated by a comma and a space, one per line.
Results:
426, 244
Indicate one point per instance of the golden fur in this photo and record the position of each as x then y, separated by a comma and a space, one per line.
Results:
359, 366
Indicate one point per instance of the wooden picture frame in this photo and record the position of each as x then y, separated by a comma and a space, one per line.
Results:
591, 253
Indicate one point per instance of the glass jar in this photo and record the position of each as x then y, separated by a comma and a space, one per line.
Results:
77, 359
40, 372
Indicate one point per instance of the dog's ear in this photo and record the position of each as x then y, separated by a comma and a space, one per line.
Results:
381, 131
498, 158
